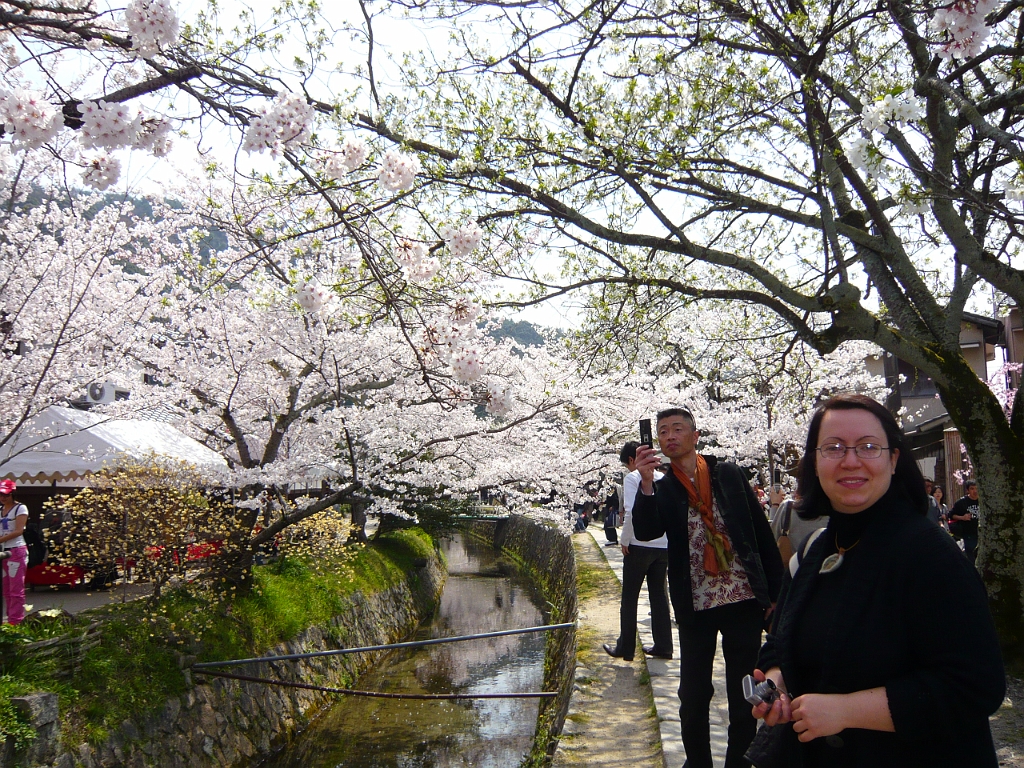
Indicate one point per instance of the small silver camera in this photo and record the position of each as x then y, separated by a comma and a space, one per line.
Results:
760, 693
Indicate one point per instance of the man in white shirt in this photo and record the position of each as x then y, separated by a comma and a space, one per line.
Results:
641, 559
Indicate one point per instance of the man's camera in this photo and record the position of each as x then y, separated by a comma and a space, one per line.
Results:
760, 693
646, 436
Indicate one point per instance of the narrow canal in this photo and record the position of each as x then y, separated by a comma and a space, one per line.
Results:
483, 593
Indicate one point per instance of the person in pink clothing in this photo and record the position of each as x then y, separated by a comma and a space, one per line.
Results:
12, 525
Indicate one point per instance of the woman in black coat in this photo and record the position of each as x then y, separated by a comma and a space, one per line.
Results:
882, 640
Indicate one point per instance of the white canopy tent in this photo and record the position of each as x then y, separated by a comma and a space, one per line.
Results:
64, 444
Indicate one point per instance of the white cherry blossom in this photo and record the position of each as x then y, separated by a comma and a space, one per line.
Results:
499, 399
152, 24
109, 125
409, 253
423, 270
354, 152
466, 364
962, 24
155, 136
464, 240
28, 118
312, 296
398, 171
465, 311
102, 171
863, 155
287, 122
901, 109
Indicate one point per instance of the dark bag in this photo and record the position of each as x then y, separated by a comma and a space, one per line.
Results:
956, 527
784, 542
768, 749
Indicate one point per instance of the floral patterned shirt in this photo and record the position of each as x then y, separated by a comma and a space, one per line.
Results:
731, 586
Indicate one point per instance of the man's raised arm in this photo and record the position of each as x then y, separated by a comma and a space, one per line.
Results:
647, 523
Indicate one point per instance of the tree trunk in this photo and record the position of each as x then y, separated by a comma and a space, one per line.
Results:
358, 533
234, 566
997, 455
237, 574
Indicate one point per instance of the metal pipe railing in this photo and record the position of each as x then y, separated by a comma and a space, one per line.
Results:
385, 647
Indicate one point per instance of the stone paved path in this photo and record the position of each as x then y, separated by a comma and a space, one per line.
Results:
611, 721
664, 676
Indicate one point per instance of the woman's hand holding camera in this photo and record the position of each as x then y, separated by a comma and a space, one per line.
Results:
815, 715
780, 711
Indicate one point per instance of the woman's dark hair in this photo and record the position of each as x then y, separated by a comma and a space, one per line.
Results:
908, 475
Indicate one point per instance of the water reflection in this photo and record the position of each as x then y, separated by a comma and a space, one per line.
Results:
482, 594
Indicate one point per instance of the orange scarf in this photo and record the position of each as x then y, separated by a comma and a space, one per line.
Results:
717, 550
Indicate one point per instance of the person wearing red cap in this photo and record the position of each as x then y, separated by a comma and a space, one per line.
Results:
12, 525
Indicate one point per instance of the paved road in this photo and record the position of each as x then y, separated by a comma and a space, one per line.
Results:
81, 599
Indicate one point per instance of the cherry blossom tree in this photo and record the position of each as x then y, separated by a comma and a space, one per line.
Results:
759, 382
750, 385
345, 294
339, 298
70, 302
296, 385
300, 386
852, 168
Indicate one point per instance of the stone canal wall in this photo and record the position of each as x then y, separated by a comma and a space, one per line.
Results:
223, 723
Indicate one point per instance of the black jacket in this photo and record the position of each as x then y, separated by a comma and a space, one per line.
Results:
749, 532
912, 616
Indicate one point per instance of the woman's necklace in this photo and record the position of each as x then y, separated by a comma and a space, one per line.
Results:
832, 562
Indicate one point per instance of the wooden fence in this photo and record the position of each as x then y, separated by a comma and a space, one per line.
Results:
67, 650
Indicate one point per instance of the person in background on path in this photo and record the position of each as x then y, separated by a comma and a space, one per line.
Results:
584, 511
724, 572
937, 494
611, 514
762, 497
790, 529
579, 517
641, 560
964, 520
934, 512
12, 524
882, 616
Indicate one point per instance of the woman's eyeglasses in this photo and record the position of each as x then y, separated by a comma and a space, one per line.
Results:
837, 451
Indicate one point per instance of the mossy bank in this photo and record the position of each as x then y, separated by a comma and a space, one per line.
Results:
109, 719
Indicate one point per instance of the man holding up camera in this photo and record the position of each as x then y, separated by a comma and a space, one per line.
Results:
725, 573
